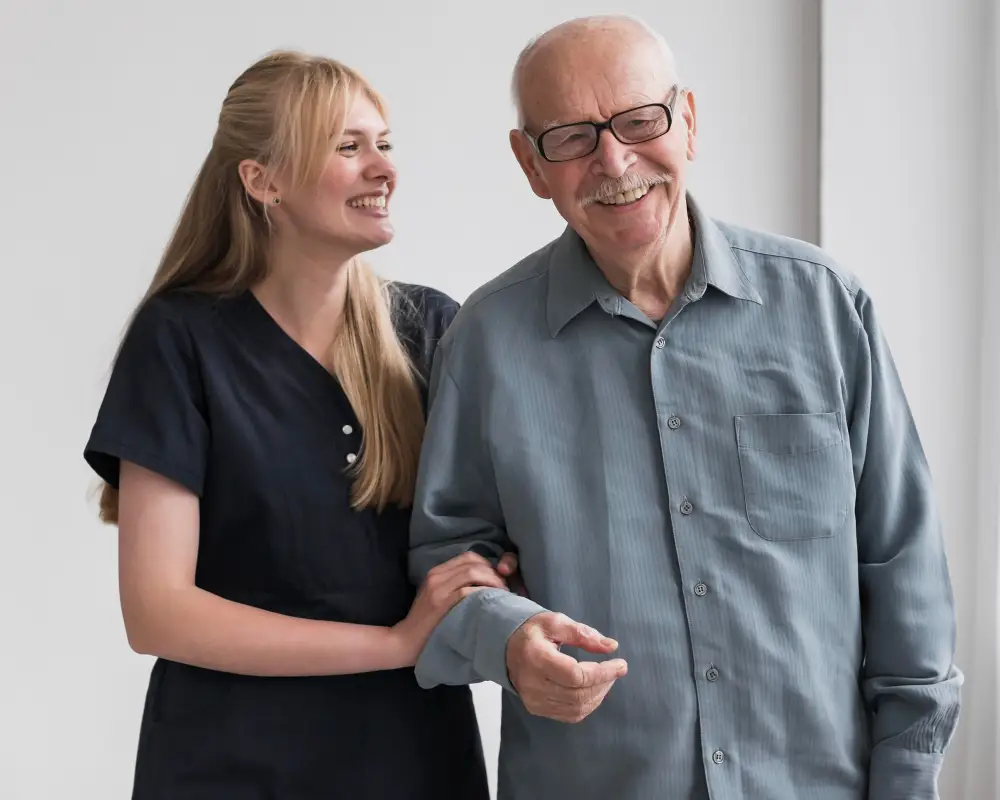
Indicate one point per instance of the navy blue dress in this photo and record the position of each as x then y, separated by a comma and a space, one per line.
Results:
211, 393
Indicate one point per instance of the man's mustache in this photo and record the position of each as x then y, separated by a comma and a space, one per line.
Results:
626, 183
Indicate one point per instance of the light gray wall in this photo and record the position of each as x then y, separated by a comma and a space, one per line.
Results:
902, 187
108, 111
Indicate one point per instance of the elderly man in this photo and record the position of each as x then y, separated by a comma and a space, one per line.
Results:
694, 436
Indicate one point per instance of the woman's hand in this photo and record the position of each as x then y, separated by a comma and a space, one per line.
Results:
444, 587
507, 567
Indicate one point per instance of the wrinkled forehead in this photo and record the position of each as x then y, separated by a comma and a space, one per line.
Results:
573, 85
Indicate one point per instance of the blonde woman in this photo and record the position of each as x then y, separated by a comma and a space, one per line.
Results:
258, 444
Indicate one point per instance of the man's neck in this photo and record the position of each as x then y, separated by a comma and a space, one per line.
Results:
651, 278
306, 293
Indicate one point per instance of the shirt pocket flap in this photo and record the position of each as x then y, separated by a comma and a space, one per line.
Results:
789, 434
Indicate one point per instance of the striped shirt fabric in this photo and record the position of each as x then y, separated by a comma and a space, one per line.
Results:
736, 493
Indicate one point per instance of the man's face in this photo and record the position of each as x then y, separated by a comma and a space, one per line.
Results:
592, 81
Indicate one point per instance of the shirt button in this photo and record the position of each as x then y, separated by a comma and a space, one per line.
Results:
347, 429
686, 507
674, 423
700, 589
660, 342
351, 458
712, 674
718, 756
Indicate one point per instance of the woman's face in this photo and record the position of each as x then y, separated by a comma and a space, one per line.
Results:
348, 206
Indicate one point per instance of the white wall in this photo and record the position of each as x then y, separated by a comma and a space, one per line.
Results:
106, 116
902, 168
982, 727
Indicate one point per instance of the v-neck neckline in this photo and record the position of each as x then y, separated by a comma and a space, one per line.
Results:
266, 332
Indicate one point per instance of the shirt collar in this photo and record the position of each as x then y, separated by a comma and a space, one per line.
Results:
714, 262
575, 281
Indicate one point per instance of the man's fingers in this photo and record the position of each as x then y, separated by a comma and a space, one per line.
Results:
569, 673
597, 673
594, 642
563, 630
572, 704
560, 668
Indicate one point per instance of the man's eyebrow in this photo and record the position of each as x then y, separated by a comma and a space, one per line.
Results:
555, 123
546, 124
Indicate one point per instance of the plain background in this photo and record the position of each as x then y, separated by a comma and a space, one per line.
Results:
856, 126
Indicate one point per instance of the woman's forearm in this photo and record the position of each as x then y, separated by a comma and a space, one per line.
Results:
195, 627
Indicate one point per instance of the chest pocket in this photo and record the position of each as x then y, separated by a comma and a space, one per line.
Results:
796, 474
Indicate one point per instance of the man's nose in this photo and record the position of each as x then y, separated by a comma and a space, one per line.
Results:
613, 157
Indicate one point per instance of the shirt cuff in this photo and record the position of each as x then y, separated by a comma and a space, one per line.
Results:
470, 644
897, 774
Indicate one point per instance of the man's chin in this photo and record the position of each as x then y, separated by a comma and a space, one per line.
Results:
640, 235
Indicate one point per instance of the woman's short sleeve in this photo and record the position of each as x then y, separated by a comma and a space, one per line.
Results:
153, 412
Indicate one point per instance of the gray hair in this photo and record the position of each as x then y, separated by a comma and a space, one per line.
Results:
534, 44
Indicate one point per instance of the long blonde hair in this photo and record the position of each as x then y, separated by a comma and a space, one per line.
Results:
283, 112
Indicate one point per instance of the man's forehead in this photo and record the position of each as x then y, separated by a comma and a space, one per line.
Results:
570, 84
560, 105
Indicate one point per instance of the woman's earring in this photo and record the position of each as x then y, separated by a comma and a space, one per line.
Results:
276, 200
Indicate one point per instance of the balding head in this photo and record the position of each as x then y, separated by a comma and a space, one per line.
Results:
588, 40
604, 93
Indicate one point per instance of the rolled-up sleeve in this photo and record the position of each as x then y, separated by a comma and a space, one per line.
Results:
911, 684
456, 509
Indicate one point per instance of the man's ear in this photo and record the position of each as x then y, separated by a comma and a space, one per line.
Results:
526, 156
255, 181
691, 121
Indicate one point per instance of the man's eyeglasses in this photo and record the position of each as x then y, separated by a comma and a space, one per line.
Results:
579, 139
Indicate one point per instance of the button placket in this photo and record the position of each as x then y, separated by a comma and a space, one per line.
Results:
679, 443
347, 429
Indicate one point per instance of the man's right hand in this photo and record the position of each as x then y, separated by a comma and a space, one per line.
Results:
552, 684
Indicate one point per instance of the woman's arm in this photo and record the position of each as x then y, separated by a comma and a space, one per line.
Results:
166, 615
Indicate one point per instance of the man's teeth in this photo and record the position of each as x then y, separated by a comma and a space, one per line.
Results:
624, 198
368, 202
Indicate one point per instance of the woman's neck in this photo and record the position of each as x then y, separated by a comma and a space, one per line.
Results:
306, 296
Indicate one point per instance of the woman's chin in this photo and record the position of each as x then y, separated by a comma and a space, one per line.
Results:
364, 241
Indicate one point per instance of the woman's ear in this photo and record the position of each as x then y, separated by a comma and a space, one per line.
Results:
257, 184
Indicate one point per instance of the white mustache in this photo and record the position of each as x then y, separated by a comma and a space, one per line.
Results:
626, 183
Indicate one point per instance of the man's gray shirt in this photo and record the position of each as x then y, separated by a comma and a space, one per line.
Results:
736, 493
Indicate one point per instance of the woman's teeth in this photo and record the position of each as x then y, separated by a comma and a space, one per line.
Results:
368, 202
